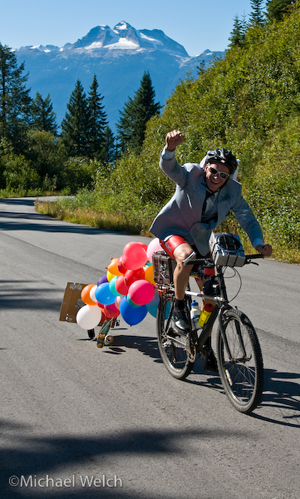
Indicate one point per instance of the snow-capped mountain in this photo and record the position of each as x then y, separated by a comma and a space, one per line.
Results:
119, 57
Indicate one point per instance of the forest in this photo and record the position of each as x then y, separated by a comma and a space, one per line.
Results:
248, 102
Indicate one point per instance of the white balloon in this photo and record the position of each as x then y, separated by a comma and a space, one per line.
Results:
88, 317
92, 293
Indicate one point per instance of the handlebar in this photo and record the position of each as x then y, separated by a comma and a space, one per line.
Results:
209, 263
254, 257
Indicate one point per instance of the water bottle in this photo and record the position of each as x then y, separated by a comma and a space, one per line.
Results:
195, 313
205, 314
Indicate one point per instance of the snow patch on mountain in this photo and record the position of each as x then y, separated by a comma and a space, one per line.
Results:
118, 57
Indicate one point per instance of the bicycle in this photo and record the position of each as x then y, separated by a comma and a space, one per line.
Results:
238, 352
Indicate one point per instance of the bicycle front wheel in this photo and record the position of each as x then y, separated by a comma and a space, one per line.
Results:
240, 361
173, 346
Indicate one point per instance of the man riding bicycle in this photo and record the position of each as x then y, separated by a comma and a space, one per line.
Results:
205, 194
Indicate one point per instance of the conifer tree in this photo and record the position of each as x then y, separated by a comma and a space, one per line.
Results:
109, 146
136, 113
14, 99
277, 8
75, 125
97, 122
237, 35
257, 15
43, 116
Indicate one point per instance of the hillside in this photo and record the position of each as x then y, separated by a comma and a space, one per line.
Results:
248, 102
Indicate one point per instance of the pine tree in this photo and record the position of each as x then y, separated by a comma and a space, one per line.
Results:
237, 35
98, 122
257, 15
76, 124
277, 8
136, 113
109, 146
43, 117
14, 99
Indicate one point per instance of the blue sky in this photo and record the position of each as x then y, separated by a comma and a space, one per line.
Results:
196, 24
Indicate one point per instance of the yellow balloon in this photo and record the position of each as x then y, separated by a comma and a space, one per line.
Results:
149, 274
109, 276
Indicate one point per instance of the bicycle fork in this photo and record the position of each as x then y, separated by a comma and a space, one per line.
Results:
240, 338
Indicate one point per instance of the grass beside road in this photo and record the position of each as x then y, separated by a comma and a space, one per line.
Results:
136, 223
121, 222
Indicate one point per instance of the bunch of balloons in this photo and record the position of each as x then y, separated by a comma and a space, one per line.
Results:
128, 289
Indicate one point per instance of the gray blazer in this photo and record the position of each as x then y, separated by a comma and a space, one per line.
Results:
182, 214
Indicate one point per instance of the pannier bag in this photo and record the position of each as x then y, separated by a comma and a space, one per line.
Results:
227, 250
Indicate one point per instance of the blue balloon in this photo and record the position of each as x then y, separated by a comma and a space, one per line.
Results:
104, 295
153, 304
132, 315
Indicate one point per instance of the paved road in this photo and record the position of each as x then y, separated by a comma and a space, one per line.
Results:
77, 421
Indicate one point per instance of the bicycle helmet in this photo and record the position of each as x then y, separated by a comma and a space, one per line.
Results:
223, 156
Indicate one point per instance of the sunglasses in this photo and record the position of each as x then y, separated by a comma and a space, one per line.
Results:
214, 171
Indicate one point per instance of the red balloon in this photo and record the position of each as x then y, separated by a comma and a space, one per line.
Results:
120, 286
144, 246
134, 256
134, 275
120, 266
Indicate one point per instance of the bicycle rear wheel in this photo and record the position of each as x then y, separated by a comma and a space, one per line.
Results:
174, 347
241, 364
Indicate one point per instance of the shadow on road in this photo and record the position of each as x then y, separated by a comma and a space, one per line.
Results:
281, 398
41, 457
144, 344
18, 201
15, 222
16, 294
281, 395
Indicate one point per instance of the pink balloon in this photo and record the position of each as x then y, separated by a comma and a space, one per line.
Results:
134, 256
141, 292
118, 301
112, 307
111, 310
153, 246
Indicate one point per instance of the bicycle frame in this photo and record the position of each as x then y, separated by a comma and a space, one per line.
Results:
221, 303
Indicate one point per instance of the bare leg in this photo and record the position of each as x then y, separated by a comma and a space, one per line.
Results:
181, 279
181, 272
